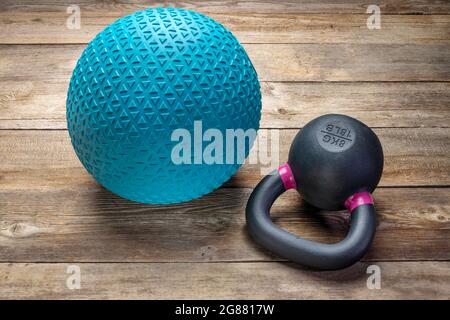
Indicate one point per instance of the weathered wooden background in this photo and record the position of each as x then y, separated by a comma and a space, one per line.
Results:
312, 57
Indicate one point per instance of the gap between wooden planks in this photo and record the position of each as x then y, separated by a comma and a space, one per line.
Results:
399, 280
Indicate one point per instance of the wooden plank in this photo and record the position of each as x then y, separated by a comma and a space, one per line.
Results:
49, 27
408, 155
334, 62
233, 6
274, 62
46, 160
92, 225
399, 280
325, 60
292, 105
41, 104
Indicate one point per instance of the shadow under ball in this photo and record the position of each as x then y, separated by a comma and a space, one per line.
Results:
334, 157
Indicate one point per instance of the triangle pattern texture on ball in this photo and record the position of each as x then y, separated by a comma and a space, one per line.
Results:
143, 77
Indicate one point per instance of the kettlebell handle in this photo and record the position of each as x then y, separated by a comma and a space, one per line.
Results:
309, 253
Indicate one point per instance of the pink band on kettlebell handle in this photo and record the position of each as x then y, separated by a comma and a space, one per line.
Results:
358, 199
287, 177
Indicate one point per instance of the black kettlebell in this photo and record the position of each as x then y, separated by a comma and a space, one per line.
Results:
335, 162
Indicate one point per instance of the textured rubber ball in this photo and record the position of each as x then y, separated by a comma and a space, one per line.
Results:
335, 161
143, 78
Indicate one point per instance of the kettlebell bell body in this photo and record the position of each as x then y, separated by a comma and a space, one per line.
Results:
334, 162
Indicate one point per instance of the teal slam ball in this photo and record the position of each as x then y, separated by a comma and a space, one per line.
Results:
147, 75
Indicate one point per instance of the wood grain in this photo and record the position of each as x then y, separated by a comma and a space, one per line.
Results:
45, 160
36, 104
273, 62
90, 224
237, 6
399, 280
334, 62
49, 27
35, 96
312, 57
